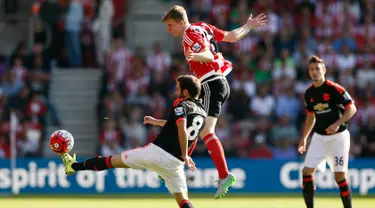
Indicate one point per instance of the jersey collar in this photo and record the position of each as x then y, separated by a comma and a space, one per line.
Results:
187, 27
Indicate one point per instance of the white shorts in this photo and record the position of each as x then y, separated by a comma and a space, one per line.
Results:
331, 148
154, 158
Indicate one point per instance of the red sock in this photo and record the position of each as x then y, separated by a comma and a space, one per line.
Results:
216, 151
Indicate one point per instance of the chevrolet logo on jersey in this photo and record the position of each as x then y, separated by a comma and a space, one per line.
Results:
322, 108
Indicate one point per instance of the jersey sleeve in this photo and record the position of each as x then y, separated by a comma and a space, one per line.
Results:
218, 33
308, 105
179, 113
194, 41
342, 96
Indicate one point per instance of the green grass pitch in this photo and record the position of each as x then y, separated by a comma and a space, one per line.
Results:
230, 202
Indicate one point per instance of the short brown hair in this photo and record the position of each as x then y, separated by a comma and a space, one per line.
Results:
316, 59
176, 13
191, 84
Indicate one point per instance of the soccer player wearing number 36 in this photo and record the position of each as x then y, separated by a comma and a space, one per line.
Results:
168, 153
329, 107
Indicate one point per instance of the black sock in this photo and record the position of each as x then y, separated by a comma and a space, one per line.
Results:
345, 193
308, 190
95, 163
186, 204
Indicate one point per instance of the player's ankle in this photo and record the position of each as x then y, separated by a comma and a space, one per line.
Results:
96, 164
186, 204
225, 175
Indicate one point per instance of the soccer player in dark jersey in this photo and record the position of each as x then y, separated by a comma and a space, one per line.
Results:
168, 153
201, 51
329, 107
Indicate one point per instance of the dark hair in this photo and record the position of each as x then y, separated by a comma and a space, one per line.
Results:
316, 59
191, 84
176, 13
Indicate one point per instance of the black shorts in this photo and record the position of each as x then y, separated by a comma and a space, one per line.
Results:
215, 91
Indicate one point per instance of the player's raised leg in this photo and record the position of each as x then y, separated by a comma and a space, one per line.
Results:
139, 158
175, 181
96, 163
149, 157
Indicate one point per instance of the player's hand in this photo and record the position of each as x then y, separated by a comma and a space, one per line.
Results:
257, 21
189, 54
332, 129
149, 120
190, 163
302, 146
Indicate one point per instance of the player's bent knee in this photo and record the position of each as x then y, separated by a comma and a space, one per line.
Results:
308, 171
209, 127
207, 130
203, 133
117, 162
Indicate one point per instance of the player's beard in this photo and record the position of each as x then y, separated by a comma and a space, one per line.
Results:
181, 95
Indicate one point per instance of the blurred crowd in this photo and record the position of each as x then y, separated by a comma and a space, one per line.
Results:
265, 113
77, 32
24, 92
66, 33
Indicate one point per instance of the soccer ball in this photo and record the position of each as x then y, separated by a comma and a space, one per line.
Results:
61, 141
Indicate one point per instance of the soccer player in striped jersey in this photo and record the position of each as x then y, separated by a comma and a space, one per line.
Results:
201, 51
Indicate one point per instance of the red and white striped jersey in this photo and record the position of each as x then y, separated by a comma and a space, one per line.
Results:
198, 36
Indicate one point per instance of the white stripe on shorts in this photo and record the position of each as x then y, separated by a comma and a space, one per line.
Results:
207, 94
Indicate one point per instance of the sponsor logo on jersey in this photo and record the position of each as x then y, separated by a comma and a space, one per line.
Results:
179, 111
322, 108
196, 47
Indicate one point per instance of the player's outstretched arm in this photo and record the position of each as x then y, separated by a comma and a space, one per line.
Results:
309, 124
153, 121
183, 139
252, 23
